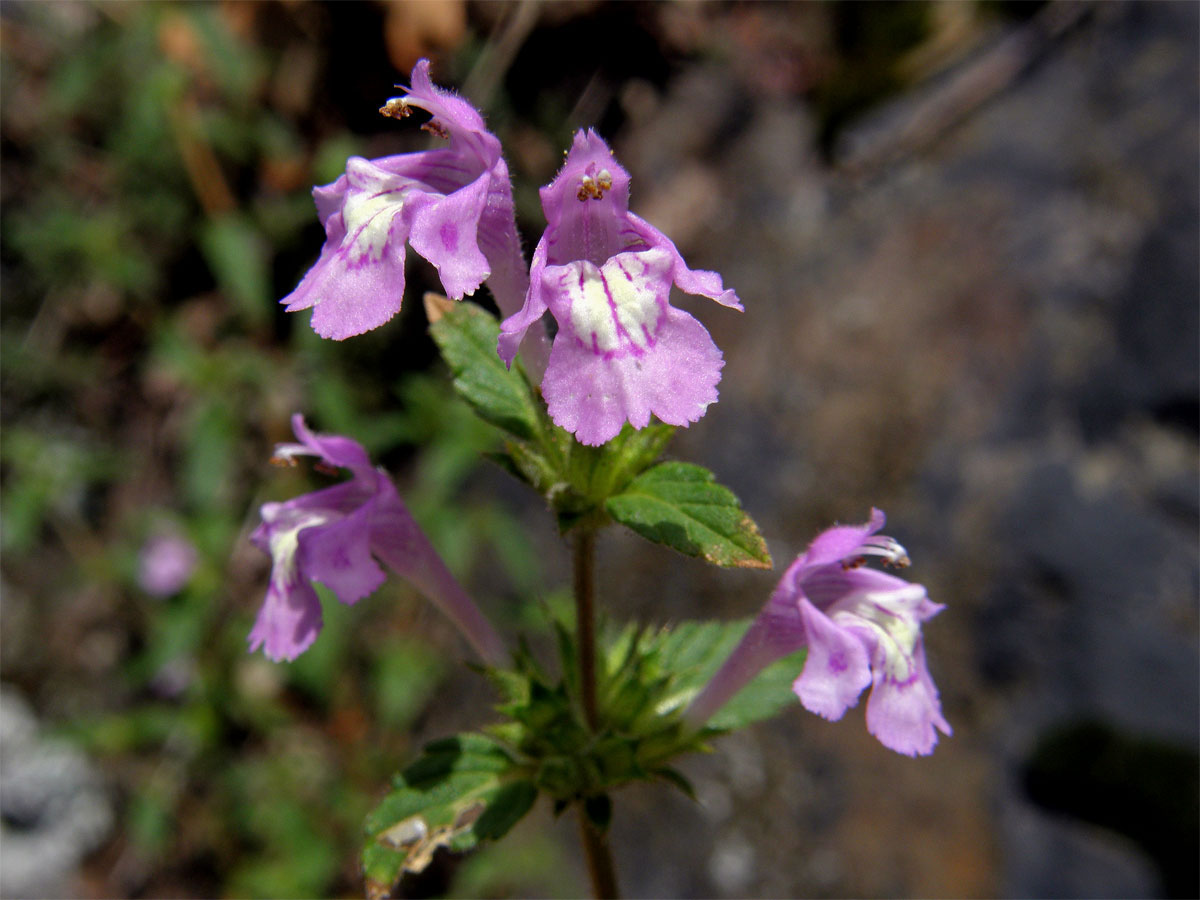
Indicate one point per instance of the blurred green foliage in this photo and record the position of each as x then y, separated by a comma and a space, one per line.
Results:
155, 208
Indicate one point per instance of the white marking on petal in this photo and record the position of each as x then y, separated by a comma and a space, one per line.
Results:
368, 219
618, 306
284, 538
374, 197
891, 616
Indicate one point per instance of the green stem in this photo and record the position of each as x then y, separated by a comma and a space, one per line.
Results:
599, 859
585, 621
595, 846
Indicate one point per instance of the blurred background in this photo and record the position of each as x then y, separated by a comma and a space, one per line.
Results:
965, 234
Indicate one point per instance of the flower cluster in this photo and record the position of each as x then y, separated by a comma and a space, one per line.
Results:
862, 628
622, 352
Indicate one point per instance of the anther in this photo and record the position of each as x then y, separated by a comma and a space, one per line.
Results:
396, 108
891, 552
436, 128
593, 188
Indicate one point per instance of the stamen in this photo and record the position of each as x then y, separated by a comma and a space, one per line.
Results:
285, 454
889, 549
396, 108
587, 188
593, 188
326, 468
436, 128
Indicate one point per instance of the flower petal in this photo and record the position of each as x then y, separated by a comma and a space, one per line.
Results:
328, 199
675, 379
841, 541
444, 232
616, 308
691, 281
906, 716
358, 282
512, 329
450, 109
332, 448
288, 622
837, 668
338, 555
399, 543
587, 226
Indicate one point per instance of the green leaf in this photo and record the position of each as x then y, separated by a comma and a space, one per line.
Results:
461, 790
632, 451
467, 334
597, 473
238, 256
681, 505
507, 807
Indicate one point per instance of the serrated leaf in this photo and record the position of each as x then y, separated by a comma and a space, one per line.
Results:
460, 791
682, 506
466, 335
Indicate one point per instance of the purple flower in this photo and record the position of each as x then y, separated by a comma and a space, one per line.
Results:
453, 205
338, 536
166, 564
862, 627
622, 352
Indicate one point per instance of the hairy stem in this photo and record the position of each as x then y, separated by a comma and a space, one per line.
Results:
599, 859
585, 621
595, 846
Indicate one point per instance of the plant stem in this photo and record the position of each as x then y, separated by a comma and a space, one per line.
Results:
599, 860
595, 846
585, 621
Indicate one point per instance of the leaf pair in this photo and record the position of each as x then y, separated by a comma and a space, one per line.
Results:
676, 504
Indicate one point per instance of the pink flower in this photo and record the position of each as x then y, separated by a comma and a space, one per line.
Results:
622, 352
453, 205
338, 536
862, 628
166, 564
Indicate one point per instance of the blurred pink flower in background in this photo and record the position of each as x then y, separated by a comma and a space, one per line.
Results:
166, 564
